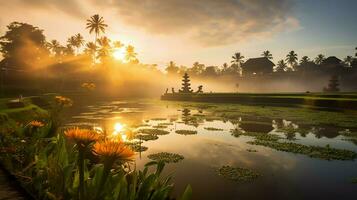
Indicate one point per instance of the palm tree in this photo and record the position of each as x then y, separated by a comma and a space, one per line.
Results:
281, 66
267, 54
79, 41
304, 60
348, 60
90, 49
291, 59
237, 58
54, 46
172, 68
117, 44
130, 54
319, 59
72, 41
237, 61
105, 48
68, 50
96, 24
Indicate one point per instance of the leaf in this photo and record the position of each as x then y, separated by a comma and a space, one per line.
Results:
187, 194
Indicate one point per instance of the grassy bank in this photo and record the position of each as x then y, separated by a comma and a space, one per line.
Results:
340, 101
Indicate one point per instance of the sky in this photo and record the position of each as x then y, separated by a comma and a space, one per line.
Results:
206, 31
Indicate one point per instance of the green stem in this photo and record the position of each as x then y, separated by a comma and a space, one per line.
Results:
106, 171
81, 173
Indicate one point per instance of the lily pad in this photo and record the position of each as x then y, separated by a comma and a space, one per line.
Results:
186, 132
151, 131
166, 157
213, 129
146, 137
237, 174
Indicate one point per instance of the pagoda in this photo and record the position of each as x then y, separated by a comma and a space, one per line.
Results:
186, 85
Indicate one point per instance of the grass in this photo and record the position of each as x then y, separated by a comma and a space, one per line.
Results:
186, 132
166, 157
325, 153
237, 174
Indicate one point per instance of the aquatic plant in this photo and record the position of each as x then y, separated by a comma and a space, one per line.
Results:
237, 174
159, 126
213, 129
146, 137
158, 119
36, 124
151, 131
186, 132
325, 153
165, 124
166, 157
259, 136
252, 150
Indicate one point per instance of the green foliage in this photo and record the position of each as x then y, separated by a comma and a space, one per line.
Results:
166, 157
237, 174
186, 132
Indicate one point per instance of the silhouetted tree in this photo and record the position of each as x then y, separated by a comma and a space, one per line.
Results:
22, 45
281, 66
79, 41
55, 47
196, 69
96, 24
90, 49
348, 60
104, 52
304, 60
68, 50
267, 54
319, 59
172, 69
210, 71
237, 59
130, 55
291, 59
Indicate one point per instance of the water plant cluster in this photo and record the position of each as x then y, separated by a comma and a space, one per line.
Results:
166, 157
186, 132
52, 163
213, 129
237, 174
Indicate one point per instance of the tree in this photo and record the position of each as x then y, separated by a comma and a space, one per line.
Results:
319, 59
267, 54
356, 52
197, 69
348, 60
237, 62
96, 24
79, 41
281, 66
23, 45
171, 68
304, 60
105, 49
130, 55
237, 59
55, 47
291, 59
90, 49
68, 50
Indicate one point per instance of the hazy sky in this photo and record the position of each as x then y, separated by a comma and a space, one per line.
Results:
208, 31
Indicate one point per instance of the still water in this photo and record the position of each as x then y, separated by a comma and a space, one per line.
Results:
284, 175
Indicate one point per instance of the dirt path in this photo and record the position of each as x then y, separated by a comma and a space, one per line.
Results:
8, 190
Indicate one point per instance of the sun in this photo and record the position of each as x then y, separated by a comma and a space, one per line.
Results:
119, 54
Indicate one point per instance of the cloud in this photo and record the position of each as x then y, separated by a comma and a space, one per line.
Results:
70, 7
208, 22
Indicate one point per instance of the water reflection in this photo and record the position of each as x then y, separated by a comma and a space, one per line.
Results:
207, 150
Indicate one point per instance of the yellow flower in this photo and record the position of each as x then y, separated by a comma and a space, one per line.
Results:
110, 150
36, 124
82, 137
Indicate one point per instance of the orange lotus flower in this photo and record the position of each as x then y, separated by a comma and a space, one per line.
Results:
36, 124
111, 151
82, 137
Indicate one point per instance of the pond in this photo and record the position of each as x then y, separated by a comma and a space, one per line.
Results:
228, 151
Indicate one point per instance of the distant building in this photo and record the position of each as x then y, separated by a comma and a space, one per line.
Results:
332, 65
257, 66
